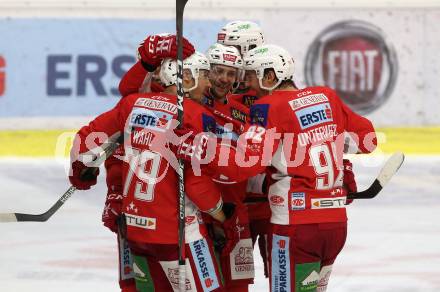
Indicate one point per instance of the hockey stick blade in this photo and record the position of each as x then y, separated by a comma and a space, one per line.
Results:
20, 217
108, 148
387, 172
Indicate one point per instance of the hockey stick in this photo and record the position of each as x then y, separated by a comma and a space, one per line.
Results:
386, 173
20, 217
180, 6
389, 169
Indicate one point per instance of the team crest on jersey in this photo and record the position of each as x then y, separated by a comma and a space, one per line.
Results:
149, 119
209, 124
259, 114
238, 115
208, 100
314, 115
249, 100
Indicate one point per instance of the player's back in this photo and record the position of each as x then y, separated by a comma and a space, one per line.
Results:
308, 158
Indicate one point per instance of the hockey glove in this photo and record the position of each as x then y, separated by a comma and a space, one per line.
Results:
236, 226
155, 48
112, 211
349, 179
83, 177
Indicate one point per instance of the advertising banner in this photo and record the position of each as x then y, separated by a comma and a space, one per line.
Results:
382, 62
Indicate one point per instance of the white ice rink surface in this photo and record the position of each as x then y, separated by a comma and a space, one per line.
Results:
393, 242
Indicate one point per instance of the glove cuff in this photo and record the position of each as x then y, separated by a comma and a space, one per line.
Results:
216, 209
148, 67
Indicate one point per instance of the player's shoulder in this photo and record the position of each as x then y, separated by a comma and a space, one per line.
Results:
329, 92
154, 101
194, 108
246, 99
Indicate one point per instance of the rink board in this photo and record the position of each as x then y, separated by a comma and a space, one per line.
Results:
50, 143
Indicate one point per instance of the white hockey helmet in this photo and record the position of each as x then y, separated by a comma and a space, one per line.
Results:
270, 57
245, 35
224, 55
168, 72
195, 63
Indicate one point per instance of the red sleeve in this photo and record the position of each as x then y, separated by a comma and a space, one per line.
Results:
357, 125
104, 128
132, 81
202, 191
252, 155
113, 167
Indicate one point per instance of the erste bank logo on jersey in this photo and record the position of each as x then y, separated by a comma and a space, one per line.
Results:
2, 75
314, 115
144, 118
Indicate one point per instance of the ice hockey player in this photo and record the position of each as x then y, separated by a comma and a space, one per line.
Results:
247, 35
300, 135
222, 84
151, 52
305, 192
150, 185
226, 67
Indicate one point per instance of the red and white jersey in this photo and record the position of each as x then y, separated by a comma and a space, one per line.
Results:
233, 113
150, 184
307, 187
303, 133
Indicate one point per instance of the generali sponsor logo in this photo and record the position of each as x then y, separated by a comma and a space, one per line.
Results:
356, 59
307, 101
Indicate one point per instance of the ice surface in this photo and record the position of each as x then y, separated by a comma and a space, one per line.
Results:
393, 241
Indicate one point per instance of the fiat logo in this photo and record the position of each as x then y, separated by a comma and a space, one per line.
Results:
355, 59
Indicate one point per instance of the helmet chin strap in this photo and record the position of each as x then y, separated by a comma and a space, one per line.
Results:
196, 83
270, 89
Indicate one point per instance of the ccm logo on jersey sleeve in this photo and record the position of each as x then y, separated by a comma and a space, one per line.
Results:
314, 115
329, 203
204, 265
141, 222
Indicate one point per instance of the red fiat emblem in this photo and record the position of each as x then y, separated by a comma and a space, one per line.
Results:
355, 59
